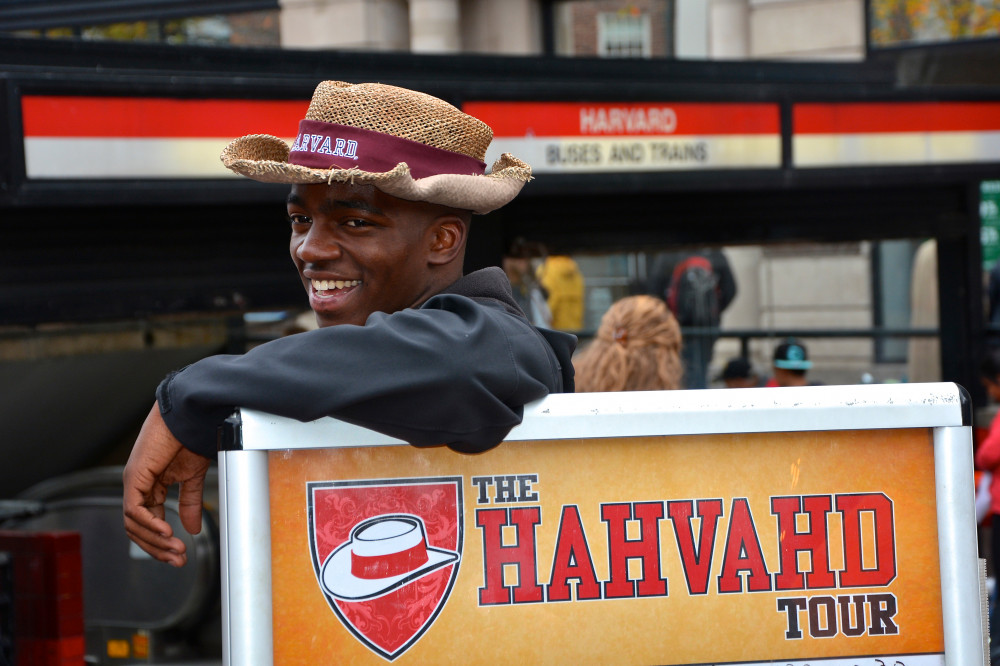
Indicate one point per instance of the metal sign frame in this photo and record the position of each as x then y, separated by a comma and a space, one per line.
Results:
943, 408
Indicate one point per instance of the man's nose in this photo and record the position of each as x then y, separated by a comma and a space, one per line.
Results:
318, 245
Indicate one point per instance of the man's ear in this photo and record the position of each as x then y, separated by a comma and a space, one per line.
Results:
447, 239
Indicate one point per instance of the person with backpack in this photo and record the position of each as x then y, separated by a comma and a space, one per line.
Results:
697, 286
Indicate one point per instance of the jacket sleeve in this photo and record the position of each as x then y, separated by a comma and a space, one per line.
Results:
453, 372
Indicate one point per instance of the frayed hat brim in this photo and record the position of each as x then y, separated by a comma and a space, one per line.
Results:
264, 158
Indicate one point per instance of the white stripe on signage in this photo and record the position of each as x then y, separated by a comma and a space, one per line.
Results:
895, 148
632, 153
94, 158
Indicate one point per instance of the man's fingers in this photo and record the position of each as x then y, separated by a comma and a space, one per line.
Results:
167, 549
137, 507
189, 504
158, 461
147, 528
149, 518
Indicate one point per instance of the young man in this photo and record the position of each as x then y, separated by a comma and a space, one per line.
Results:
791, 363
384, 182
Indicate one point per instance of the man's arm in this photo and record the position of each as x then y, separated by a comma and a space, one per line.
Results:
453, 372
158, 460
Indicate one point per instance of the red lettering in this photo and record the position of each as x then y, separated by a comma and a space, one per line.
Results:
521, 555
572, 561
743, 553
646, 548
696, 558
884, 570
814, 541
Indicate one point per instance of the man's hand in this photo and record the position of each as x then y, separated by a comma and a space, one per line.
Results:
158, 461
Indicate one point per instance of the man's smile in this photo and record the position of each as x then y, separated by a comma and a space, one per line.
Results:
330, 285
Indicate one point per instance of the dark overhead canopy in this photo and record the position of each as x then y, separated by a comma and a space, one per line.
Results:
41, 14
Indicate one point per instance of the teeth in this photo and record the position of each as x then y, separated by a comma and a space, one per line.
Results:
326, 285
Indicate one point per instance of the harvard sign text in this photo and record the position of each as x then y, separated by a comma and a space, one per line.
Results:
798, 523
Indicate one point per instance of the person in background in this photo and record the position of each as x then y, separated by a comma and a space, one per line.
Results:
637, 348
987, 458
739, 373
697, 285
529, 294
563, 281
791, 364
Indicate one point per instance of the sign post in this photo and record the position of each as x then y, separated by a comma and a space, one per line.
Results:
830, 525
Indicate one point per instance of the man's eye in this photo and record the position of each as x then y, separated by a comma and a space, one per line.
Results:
297, 220
357, 224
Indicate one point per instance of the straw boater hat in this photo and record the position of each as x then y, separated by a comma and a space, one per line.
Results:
383, 554
406, 143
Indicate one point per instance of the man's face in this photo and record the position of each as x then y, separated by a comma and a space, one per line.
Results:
359, 250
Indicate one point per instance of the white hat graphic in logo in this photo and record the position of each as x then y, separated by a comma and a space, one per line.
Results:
383, 554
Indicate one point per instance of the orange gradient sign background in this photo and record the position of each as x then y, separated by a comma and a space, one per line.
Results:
678, 628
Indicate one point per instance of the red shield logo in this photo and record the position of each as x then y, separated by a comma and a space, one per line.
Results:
386, 554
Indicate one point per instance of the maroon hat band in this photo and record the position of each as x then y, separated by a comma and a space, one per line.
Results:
322, 145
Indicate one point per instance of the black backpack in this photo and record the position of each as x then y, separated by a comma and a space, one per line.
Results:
693, 293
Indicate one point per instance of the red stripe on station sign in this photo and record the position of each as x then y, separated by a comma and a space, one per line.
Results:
518, 119
883, 117
141, 117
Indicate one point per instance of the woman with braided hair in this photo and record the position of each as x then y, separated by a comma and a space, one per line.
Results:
637, 348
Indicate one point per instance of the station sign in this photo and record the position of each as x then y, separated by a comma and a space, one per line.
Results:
92, 137
583, 137
860, 134
82, 137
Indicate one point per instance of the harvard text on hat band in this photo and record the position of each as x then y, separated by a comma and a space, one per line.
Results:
321, 145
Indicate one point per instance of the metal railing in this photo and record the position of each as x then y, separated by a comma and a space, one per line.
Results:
746, 335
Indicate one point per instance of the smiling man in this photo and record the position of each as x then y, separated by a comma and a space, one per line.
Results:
384, 183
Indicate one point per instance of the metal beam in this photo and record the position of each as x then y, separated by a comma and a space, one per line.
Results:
43, 14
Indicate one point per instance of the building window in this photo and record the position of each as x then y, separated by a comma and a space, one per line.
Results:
204, 22
612, 28
623, 35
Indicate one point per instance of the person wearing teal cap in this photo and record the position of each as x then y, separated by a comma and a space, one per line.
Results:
791, 362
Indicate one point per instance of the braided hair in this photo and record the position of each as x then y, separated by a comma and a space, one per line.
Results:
637, 348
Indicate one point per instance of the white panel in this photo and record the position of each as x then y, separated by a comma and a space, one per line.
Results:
579, 415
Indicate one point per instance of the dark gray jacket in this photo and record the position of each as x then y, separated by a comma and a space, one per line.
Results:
457, 371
